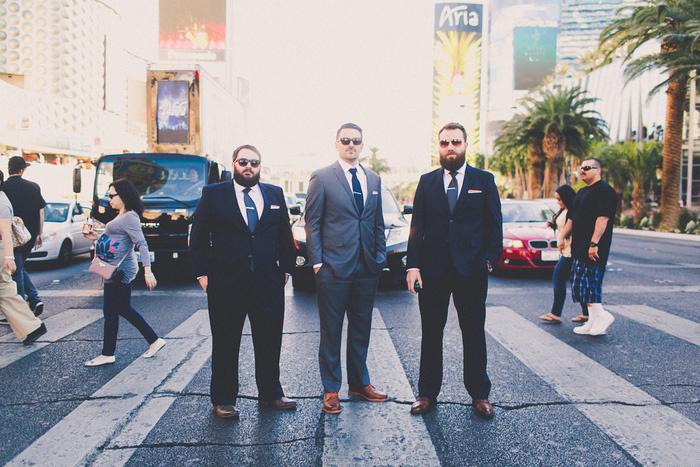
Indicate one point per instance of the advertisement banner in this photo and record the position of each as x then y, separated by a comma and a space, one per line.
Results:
535, 55
192, 31
173, 112
457, 68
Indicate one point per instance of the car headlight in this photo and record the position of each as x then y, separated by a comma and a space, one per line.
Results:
48, 237
513, 243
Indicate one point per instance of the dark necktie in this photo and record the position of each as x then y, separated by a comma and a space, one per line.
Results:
452, 191
357, 190
250, 210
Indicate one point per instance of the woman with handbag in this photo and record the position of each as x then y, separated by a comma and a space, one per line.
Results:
21, 319
115, 247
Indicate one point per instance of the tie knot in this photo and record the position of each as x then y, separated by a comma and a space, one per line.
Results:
453, 173
353, 171
246, 190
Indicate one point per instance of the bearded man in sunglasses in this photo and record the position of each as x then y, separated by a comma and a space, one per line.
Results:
456, 236
242, 253
347, 249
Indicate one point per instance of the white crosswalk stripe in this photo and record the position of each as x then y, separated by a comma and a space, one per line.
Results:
670, 324
652, 433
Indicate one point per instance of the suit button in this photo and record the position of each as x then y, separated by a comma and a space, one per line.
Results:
250, 256
451, 221
252, 236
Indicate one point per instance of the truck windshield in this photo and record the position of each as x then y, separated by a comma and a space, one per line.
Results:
174, 178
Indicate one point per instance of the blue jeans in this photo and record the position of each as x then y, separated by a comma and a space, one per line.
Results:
117, 301
562, 274
24, 283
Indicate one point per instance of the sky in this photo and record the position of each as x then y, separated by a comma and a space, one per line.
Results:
313, 66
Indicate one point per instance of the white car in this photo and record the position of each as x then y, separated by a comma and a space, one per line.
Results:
63, 237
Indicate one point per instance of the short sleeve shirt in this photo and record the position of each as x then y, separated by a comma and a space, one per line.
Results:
592, 202
27, 202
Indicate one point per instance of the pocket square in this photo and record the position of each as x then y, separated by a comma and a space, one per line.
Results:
375, 192
474, 191
274, 206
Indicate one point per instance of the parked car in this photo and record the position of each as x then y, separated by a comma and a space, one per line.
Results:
396, 230
527, 241
294, 207
62, 236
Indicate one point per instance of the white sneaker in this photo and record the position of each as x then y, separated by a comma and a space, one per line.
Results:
602, 322
585, 329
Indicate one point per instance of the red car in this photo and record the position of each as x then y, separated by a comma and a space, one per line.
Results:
528, 243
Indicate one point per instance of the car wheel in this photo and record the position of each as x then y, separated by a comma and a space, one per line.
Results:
64, 254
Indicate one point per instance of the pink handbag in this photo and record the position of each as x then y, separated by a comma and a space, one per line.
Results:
103, 269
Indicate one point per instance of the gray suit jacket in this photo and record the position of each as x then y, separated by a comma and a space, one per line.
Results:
335, 230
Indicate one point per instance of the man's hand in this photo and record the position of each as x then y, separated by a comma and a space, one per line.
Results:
411, 277
203, 282
286, 278
39, 240
593, 253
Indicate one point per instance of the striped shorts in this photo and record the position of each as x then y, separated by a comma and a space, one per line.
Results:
587, 282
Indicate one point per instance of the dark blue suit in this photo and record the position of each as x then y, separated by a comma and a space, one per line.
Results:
223, 248
451, 250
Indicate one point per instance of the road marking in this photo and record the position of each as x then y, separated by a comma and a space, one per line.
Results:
650, 432
374, 433
74, 439
58, 326
670, 324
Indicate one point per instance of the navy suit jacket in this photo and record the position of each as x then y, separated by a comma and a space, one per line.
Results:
222, 246
471, 235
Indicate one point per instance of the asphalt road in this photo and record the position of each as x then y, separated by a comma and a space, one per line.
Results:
629, 398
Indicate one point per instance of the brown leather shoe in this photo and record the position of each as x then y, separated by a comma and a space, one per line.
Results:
368, 392
282, 403
331, 404
226, 411
483, 408
421, 405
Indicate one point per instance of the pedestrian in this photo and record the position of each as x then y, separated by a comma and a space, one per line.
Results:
23, 322
116, 247
28, 204
347, 249
456, 237
242, 253
562, 271
590, 225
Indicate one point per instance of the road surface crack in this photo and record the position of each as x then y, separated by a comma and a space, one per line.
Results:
207, 444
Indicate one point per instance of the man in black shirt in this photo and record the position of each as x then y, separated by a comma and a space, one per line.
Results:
28, 204
591, 223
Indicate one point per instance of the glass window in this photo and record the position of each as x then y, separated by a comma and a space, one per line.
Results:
56, 212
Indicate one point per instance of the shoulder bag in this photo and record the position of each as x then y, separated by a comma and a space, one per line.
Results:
20, 233
106, 270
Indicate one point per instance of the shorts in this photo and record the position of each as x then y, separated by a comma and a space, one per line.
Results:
587, 282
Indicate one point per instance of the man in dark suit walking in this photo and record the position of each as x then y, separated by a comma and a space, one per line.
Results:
456, 236
347, 249
242, 253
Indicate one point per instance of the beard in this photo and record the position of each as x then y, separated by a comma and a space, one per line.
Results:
452, 164
246, 182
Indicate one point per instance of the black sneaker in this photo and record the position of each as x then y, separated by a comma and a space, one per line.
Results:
3, 321
38, 308
34, 335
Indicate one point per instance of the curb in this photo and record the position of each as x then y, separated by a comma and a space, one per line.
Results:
654, 234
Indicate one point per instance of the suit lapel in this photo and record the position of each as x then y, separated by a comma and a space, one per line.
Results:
232, 201
344, 183
267, 201
439, 190
468, 184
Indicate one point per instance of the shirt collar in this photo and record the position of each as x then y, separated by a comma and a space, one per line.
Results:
462, 170
239, 188
346, 167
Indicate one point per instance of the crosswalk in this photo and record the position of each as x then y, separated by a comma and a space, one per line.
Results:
110, 425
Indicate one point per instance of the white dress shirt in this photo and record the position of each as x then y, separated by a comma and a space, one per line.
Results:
459, 176
361, 176
255, 195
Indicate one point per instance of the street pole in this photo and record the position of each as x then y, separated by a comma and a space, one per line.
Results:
691, 137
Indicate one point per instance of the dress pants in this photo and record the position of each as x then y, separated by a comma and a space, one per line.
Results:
336, 295
19, 316
469, 296
229, 304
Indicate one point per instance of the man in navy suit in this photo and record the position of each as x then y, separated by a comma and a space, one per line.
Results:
456, 236
242, 253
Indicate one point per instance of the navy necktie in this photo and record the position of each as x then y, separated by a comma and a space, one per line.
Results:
452, 190
357, 190
250, 210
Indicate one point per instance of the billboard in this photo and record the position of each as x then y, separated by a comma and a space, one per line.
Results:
535, 56
172, 118
457, 68
192, 31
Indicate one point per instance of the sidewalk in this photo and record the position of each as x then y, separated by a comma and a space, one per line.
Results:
655, 234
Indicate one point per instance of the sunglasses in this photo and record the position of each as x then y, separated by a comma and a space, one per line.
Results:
112, 195
455, 142
586, 168
346, 141
244, 162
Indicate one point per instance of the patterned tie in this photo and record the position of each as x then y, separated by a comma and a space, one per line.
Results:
250, 210
452, 191
357, 190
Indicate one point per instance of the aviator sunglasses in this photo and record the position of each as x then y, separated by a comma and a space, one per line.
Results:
346, 141
245, 162
455, 142
586, 168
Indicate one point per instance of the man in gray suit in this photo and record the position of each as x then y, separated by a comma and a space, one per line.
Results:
347, 248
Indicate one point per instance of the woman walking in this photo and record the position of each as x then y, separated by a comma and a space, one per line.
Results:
21, 319
562, 271
116, 247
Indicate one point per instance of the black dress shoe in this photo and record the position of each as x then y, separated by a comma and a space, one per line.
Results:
483, 408
421, 405
34, 335
282, 403
226, 411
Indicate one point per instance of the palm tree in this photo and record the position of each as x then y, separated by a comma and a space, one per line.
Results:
642, 164
675, 24
519, 136
568, 126
615, 170
376, 163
